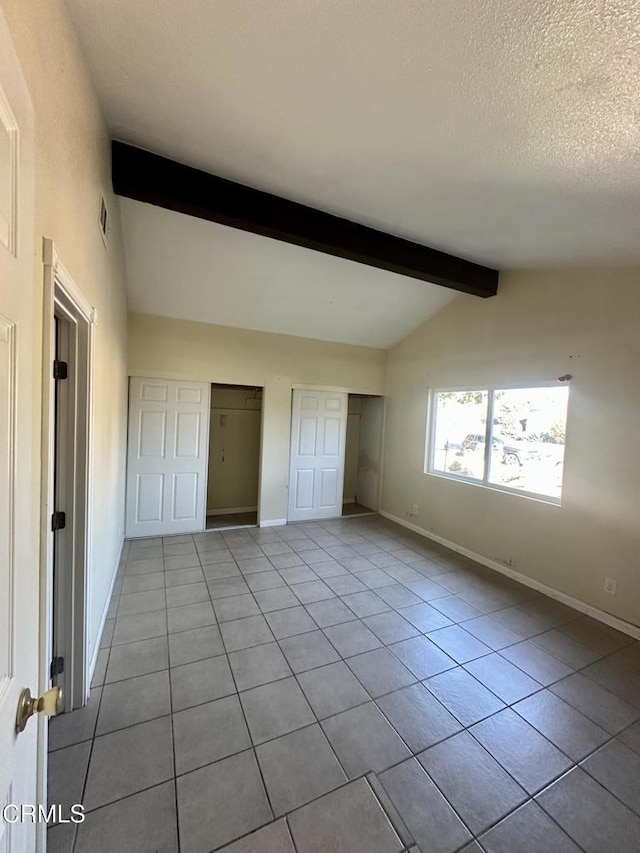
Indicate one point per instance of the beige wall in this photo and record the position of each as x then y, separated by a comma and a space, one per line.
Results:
178, 349
234, 449
540, 326
72, 169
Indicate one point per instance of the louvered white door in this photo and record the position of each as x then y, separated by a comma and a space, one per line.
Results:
167, 457
318, 439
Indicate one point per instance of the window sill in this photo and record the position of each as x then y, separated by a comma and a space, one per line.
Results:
492, 487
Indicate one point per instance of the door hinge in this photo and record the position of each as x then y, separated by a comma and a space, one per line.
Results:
57, 667
58, 520
60, 370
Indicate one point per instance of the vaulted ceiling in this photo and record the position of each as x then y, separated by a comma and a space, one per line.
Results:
194, 270
505, 133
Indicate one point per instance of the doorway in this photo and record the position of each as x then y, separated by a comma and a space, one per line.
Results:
68, 355
62, 517
234, 456
362, 455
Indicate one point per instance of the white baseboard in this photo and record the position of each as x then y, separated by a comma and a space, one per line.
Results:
273, 522
569, 600
232, 510
103, 619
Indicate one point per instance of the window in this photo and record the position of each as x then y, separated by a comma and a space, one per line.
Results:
510, 439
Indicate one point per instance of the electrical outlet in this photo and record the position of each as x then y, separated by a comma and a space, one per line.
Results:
415, 510
610, 586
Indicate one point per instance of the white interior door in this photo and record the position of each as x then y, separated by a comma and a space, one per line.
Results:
318, 438
20, 628
167, 457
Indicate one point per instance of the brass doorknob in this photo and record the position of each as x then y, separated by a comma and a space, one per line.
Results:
49, 703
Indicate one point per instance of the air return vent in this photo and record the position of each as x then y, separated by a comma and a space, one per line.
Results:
104, 221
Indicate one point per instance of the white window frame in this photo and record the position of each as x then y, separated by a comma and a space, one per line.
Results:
483, 483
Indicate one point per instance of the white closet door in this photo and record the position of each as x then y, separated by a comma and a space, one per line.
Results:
168, 454
318, 438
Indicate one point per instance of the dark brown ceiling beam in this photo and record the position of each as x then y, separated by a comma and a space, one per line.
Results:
147, 177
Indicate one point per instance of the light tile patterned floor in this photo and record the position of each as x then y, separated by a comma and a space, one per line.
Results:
346, 686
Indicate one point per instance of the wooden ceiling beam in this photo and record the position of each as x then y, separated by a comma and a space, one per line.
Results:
147, 177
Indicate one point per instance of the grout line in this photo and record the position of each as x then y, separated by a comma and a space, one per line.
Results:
173, 742
244, 716
391, 547
74, 840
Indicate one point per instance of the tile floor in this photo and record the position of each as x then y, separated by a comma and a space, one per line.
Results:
234, 519
354, 509
350, 687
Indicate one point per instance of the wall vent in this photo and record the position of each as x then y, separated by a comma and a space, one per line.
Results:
104, 221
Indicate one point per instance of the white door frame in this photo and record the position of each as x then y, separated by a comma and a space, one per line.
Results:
261, 412
383, 398
63, 299
382, 446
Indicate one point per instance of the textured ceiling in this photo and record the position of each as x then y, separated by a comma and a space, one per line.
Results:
506, 132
